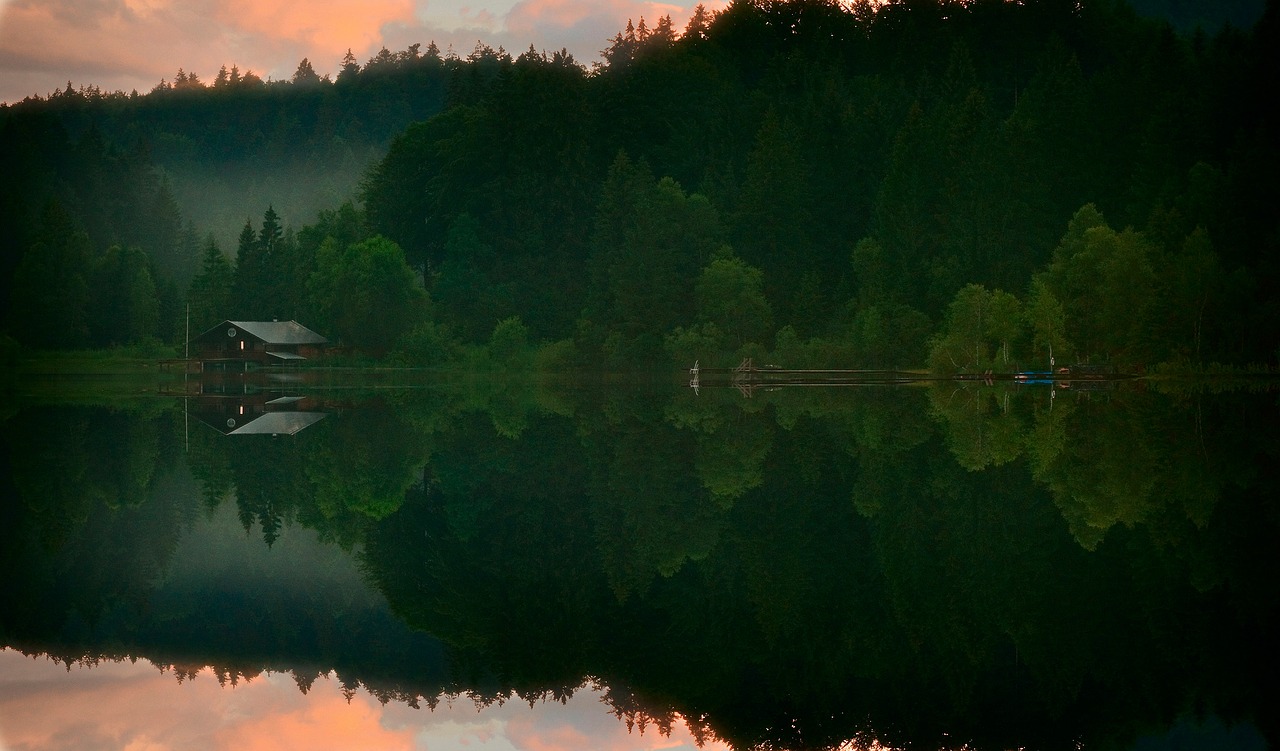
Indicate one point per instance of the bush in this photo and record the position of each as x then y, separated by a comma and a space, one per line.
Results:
427, 345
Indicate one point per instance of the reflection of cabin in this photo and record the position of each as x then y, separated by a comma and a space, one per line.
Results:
257, 414
235, 344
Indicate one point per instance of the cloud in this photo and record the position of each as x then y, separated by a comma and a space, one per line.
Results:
132, 44
585, 27
326, 27
532, 16
327, 721
105, 42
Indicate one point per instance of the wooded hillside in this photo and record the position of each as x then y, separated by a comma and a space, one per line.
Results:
959, 183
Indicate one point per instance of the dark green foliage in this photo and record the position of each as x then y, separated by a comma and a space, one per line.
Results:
365, 294
124, 306
958, 139
209, 296
973, 565
50, 294
249, 291
944, 144
650, 241
65, 203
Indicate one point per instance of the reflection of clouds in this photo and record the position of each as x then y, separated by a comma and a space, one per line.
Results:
132, 44
135, 706
326, 721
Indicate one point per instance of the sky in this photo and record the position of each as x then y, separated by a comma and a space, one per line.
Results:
136, 707
133, 44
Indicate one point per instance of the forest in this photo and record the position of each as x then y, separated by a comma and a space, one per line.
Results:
961, 186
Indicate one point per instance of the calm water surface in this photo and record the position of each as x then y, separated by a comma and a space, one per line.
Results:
504, 565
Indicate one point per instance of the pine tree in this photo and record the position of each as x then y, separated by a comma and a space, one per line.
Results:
305, 75
699, 23
210, 292
246, 294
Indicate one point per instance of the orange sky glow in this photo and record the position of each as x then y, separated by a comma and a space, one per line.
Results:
134, 706
133, 44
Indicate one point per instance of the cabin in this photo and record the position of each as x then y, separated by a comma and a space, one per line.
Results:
237, 345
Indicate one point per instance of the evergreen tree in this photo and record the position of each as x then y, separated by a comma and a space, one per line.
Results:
350, 69
249, 285
209, 295
305, 75
125, 305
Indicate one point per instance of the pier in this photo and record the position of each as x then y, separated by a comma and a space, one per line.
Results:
748, 376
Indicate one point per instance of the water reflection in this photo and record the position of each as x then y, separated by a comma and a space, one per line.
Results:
122, 704
261, 415
915, 566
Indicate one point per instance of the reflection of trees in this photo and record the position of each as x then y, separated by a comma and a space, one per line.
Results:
94, 504
981, 430
84, 533
336, 477
791, 570
731, 448
946, 599
367, 465
1119, 458
1138, 459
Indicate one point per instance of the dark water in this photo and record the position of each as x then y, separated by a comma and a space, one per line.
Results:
800, 568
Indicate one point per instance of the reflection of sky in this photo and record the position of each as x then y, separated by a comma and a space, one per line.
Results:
216, 554
136, 707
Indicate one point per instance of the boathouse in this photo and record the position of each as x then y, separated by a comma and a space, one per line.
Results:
235, 345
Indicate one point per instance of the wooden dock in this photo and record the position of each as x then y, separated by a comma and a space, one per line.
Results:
748, 376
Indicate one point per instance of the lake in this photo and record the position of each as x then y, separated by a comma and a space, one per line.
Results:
507, 564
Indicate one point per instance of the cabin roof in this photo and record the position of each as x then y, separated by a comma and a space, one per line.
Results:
273, 332
277, 423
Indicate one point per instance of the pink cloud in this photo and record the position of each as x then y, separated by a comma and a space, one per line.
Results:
132, 44
326, 27
326, 721
128, 44
110, 38
135, 706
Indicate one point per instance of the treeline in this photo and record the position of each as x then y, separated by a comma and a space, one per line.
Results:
807, 179
144, 171
802, 175
237, 114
